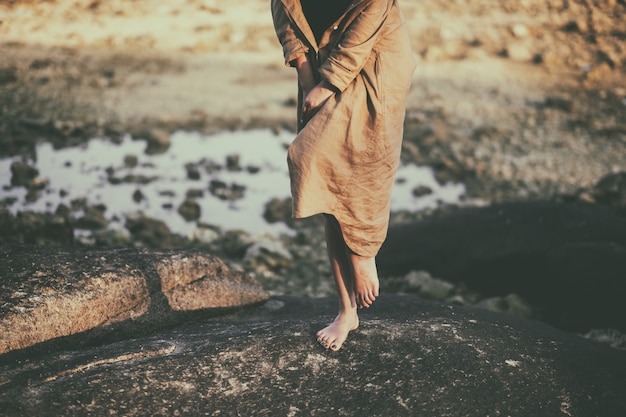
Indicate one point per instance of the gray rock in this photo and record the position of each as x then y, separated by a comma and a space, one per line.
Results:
131, 161
224, 191
611, 189
278, 209
22, 174
193, 173
232, 163
93, 219
48, 292
267, 254
427, 286
189, 210
409, 358
510, 304
147, 230
422, 190
158, 140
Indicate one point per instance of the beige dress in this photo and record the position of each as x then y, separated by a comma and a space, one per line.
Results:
343, 161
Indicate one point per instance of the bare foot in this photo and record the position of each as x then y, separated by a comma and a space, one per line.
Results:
333, 335
365, 280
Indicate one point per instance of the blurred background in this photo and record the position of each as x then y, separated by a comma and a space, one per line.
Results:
164, 124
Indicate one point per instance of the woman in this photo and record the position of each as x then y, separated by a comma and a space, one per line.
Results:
354, 64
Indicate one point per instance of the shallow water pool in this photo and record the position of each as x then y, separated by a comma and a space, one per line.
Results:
124, 178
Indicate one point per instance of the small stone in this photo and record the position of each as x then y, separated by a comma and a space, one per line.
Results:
427, 286
203, 235
579, 25
93, 219
232, 163
189, 210
158, 141
277, 210
147, 230
138, 196
22, 174
224, 191
195, 193
421, 191
193, 173
167, 193
268, 254
131, 161
510, 304
253, 169
611, 189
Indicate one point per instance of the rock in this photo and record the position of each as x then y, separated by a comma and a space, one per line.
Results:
267, 254
232, 163
93, 219
147, 230
52, 292
427, 286
30, 227
193, 173
567, 260
22, 174
408, 358
194, 193
511, 304
611, 189
579, 25
131, 179
203, 234
422, 190
278, 210
138, 196
224, 191
189, 210
131, 161
158, 140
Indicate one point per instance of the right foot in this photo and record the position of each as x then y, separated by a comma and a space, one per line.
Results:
365, 280
333, 335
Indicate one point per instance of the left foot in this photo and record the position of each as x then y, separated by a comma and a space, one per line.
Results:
333, 335
365, 280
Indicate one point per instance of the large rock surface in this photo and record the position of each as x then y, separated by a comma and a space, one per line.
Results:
568, 260
47, 292
409, 358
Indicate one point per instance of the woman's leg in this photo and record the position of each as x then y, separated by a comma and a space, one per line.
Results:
333, 336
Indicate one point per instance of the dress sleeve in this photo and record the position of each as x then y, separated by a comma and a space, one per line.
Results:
291, 43
352, 52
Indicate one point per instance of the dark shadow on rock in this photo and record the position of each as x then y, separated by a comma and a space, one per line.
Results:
409, 357
568, 260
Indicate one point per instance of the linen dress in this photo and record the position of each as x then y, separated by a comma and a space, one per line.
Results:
344, 159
